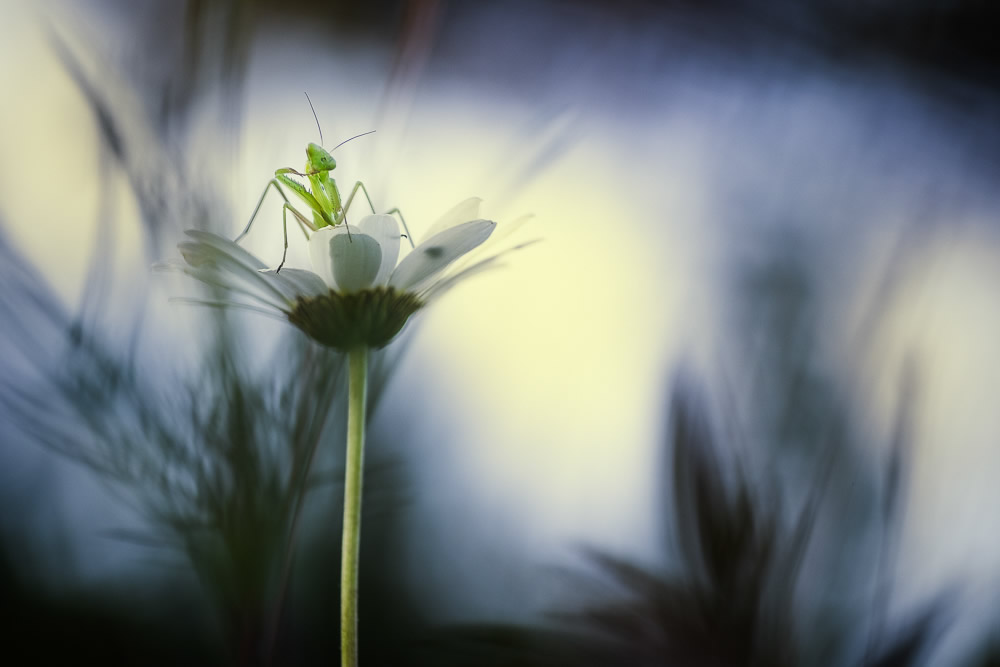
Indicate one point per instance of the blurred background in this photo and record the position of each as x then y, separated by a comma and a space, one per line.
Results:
737, 407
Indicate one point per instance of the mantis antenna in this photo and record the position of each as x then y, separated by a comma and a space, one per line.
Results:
354, 137
315, 117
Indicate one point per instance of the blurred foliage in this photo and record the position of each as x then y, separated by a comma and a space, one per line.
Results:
222, 463
730, 594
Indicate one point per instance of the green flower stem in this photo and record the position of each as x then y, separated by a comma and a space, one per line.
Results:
357, 390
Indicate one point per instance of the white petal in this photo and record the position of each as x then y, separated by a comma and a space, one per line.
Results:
384, 229
230, 305
442, 286
297, 282
436, 253
457, 275
226, 280
231, 248
168, 266
319, 251
491, 247
461, 212
223, 256
355, 260
507, 228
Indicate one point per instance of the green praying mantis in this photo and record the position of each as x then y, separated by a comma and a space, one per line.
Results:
320, 195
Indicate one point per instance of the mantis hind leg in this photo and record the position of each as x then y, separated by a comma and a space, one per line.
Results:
347, 204
256, 209
399, 214
350, 198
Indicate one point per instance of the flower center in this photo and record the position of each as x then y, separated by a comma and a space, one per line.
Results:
370, 317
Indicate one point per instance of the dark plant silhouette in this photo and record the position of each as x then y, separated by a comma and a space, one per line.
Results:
730, 597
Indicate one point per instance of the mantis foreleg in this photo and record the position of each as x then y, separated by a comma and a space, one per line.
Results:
303, 221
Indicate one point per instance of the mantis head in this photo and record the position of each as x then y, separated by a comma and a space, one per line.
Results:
318, 159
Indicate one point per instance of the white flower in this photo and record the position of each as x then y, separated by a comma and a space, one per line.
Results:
358, 295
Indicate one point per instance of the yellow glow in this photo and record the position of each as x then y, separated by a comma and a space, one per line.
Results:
945, 319
51, 176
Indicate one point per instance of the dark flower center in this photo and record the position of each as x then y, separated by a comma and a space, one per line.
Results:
370, 317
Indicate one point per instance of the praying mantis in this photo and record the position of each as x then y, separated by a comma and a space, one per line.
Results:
320, 195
